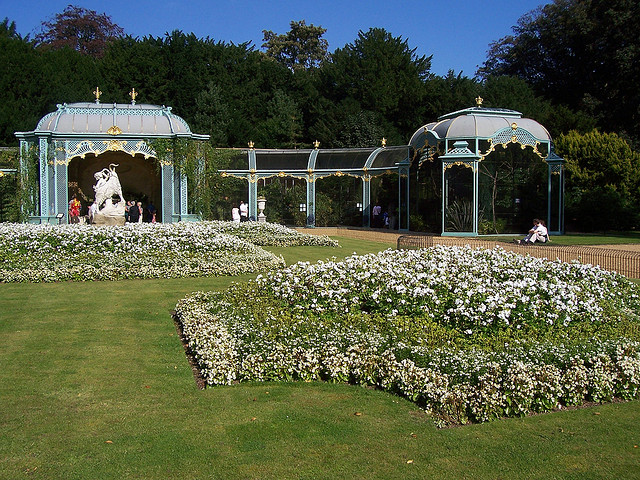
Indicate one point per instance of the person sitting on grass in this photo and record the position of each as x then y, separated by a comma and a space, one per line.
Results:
538, 233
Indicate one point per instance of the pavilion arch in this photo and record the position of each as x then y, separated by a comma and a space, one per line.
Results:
138, 175
462, 140
79, 137
315, 164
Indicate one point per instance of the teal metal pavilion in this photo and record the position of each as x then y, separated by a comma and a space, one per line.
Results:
79, 131
314, 164
466, 137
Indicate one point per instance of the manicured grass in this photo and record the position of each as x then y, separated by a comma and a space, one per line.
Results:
94, 384
577, 239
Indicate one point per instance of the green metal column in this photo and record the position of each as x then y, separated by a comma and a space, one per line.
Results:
366, 200
253, 186
166, 179
61, 179
44, 178
555, 219
475, 197
403, 195
311, 200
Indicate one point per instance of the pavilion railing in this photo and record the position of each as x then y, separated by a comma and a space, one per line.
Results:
624, 262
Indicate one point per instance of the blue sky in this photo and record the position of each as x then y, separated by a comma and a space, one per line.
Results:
456, 32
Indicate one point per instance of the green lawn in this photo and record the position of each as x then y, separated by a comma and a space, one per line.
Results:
577, 239
94, 384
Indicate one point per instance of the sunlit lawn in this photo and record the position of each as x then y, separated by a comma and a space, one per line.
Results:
94, 384
578, 239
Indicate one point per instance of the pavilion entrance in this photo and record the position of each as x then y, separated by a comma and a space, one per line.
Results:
139, 178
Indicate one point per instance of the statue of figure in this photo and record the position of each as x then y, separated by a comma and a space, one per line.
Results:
107, 185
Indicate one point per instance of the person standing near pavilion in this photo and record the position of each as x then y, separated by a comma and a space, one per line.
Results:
235, 213
244, 212
134, 212
74, 210
377, 210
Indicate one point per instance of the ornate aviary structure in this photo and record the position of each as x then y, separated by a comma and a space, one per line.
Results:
483, 180
79, 139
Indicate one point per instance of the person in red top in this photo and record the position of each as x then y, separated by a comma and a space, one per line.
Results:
74, 210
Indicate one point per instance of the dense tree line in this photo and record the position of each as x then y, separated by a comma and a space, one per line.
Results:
287, 94
572, 65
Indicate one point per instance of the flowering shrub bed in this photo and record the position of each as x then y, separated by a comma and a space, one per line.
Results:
269, 234
41, 253
469, 335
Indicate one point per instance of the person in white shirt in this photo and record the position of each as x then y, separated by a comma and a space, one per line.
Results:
244, 211
538, 233
235, 214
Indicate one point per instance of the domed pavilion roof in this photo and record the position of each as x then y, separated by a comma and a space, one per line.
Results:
128, 120
481, 123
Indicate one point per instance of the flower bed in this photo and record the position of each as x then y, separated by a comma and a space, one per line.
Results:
41, 253
469, 335
269, 234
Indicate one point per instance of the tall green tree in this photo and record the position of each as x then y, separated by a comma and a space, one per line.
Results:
603, 180
582, 53
301, 48
382, 74
282, 128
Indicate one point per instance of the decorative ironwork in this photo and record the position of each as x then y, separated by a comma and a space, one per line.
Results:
97, 93
458, 163
513, 135
479, 100
316, 144
114, 130
133, 94
80, 148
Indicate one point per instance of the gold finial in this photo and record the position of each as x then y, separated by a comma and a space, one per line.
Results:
316, 144
384, 142
479, 100
250, 145
133, 94
97, 93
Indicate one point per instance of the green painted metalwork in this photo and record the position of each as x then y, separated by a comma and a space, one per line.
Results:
495, 127
320, 164
76, 130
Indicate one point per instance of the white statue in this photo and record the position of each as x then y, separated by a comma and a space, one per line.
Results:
108, 185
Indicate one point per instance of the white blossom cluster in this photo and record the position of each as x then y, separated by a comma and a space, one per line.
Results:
42, 253
270, 234
473, 289
360, 321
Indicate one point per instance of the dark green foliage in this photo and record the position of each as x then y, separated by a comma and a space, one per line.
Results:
602, 180
301, 48
581, 53
571, 65
9, 192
